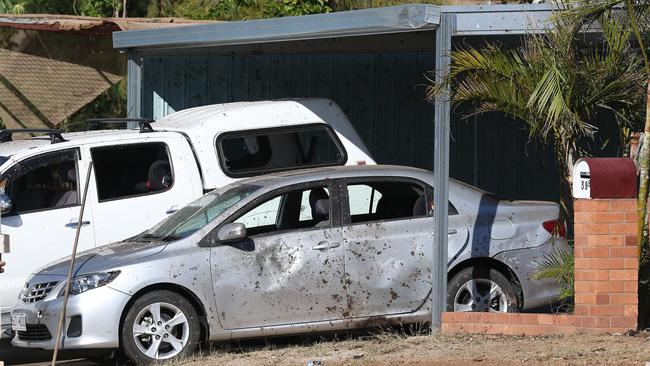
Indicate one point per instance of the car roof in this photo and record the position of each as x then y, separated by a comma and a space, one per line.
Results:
229, 116
349, 171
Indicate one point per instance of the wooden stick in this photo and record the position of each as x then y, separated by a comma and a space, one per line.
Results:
66, 293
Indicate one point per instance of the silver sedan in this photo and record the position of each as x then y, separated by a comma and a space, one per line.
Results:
315, 250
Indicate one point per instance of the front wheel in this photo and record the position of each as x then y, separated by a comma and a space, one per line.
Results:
481, 289
160, 325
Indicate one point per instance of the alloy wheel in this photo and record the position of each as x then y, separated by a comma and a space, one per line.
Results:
481, 294
161, 331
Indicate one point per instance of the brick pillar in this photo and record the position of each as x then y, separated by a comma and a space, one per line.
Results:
606, 265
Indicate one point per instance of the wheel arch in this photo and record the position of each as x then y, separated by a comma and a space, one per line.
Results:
489, 262
180, 290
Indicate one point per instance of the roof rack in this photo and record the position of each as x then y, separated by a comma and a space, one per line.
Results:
144, 123
55, 135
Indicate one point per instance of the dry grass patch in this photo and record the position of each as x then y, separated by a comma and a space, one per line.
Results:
408, 347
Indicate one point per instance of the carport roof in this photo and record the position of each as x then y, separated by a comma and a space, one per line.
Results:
469, 20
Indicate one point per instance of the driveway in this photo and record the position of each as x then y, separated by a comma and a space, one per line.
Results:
19, 356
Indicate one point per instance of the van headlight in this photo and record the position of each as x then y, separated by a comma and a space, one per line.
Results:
81, 284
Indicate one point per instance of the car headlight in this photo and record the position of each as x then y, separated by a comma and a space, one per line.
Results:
87, 282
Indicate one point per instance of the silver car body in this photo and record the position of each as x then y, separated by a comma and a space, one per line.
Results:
283, 286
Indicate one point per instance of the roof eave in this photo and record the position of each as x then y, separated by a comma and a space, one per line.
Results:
394, 19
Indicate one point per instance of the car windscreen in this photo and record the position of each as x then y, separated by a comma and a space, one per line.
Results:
199, 213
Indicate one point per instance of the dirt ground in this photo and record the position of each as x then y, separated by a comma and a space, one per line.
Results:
398, 348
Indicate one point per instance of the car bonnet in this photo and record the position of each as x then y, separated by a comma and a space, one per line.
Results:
104, 258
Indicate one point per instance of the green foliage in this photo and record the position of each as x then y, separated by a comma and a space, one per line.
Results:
238, 9
93, 8
11, 7
558, 266
296, 7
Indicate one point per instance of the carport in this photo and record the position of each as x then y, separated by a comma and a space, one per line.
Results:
373, 63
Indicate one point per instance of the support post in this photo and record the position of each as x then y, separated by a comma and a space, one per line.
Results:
134, 87
441, 174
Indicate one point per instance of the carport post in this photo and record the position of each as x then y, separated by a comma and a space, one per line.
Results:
134, 87
441, 174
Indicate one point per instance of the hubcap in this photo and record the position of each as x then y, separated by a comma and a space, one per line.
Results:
481, 294
161, 331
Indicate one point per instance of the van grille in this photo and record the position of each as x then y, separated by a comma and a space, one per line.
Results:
35, 332
37, 292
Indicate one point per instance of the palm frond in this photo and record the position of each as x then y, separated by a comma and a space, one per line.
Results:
558, 265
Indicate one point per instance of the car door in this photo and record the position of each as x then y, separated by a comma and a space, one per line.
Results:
387, 230
289, 269
137, 183
45, 190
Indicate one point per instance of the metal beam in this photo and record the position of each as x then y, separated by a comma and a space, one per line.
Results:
338, 24
441, 173
134, 87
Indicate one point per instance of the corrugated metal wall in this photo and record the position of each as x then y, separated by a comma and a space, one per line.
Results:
382, 93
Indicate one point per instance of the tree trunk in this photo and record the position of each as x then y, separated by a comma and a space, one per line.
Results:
642, 210
644, 165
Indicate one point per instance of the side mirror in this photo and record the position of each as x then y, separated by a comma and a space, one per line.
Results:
5, 203
230, 232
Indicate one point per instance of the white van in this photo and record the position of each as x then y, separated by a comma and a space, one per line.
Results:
142, 175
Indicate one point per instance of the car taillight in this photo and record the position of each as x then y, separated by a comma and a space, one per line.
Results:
554, 226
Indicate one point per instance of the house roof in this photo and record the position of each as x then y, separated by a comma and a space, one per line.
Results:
91, 25
38, 92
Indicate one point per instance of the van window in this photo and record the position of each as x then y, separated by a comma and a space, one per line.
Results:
250, 153
123, 171
44, 182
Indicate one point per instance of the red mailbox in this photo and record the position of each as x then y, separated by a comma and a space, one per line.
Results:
605, 178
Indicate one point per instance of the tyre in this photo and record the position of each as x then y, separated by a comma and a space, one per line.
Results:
160, 325
481, 289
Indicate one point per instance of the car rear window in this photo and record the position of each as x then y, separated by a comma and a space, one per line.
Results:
254, 152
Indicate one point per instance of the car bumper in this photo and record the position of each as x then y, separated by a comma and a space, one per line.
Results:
525, 263
92, 320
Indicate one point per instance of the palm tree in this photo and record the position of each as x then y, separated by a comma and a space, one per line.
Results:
556, 85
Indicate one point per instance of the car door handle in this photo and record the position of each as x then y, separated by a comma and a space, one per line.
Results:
452, 231
325, 245
75, 224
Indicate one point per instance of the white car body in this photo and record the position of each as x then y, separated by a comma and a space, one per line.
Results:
190, 136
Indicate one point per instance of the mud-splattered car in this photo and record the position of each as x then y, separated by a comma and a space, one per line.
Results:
316, 250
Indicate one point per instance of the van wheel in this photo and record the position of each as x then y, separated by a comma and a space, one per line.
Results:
481, 289
160, 325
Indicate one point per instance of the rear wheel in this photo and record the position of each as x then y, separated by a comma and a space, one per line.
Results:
160, 325
481, 289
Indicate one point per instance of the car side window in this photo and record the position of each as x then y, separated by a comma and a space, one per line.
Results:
386, 200
44, 182
123, 171
293, 210
254, 152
